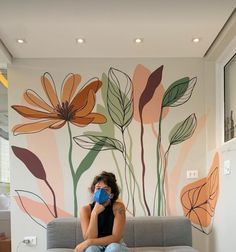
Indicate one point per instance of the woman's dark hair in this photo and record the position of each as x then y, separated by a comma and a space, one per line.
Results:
110, 180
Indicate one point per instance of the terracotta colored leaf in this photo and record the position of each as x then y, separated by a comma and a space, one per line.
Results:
31, 161
199, 198
153, 82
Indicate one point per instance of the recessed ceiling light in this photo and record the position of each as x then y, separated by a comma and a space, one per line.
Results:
80, 40
138, 40
20, 41
196, 40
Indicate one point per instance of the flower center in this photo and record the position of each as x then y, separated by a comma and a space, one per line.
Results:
65, 111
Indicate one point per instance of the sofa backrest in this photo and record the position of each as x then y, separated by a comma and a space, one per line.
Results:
139, 232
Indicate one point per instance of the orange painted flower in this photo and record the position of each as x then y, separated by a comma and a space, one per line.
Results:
73, 107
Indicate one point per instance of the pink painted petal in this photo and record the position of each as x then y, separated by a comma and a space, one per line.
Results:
69, 87
38, 210
50, 89
35, 100
34, 127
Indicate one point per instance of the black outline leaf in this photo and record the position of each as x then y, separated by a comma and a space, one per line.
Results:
183, 130
91, 141
120, 98
179, 92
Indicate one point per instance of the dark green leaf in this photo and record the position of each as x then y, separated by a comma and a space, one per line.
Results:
179, 92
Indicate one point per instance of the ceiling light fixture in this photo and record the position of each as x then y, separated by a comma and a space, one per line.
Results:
21, 41
196, 40
138, 40
80, 40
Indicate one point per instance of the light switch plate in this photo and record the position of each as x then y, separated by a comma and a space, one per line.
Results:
227, 167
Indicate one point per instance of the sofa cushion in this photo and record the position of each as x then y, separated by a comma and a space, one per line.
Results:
164, 249
144, 249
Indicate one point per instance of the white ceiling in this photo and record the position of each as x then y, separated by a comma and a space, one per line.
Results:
51, 27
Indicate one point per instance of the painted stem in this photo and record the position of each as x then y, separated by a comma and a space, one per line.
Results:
159, 187
143, 165
72, 172
119, 172
131, 168
54, 198
164, 176
124, 156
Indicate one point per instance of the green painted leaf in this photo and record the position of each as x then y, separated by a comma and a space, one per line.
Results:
179, 92
100, 142
119, 98
87, 161
183, 130
107, 128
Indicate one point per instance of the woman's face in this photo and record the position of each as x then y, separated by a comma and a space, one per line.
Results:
102, 185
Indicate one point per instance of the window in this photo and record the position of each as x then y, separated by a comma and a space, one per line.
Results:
230, 99
4, 161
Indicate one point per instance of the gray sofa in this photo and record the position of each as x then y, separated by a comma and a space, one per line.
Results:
146, 234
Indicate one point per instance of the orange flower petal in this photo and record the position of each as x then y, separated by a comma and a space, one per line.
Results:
81, 121
70, 85
34, 127
34, 99
58, 125
89, 105
32, 113
50, 89
98, 118
80, 99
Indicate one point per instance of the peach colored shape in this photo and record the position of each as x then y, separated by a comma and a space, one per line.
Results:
200, 197
39, 210
152, 109
44, 145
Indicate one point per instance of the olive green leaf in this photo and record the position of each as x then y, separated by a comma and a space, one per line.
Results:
179, 92
120, 98
183, 130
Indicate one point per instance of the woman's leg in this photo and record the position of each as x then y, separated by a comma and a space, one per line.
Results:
93, 248
116, 247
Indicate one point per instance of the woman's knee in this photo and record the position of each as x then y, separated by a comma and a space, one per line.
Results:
92, 249
116, 247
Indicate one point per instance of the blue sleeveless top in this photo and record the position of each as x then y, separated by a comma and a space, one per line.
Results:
105, 220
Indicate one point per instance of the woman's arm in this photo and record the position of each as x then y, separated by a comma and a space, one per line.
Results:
118, 227
89, 220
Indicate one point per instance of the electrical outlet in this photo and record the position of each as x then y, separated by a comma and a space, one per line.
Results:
192, 174
30, 240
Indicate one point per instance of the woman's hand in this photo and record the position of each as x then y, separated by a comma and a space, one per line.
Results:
83, 245
98, 208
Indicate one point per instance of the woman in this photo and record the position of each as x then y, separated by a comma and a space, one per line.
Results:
103, 221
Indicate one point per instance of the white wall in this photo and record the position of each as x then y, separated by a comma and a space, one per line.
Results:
222, 237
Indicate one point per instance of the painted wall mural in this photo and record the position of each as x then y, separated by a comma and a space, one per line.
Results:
141, 100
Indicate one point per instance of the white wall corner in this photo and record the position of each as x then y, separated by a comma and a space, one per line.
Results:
5, 55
